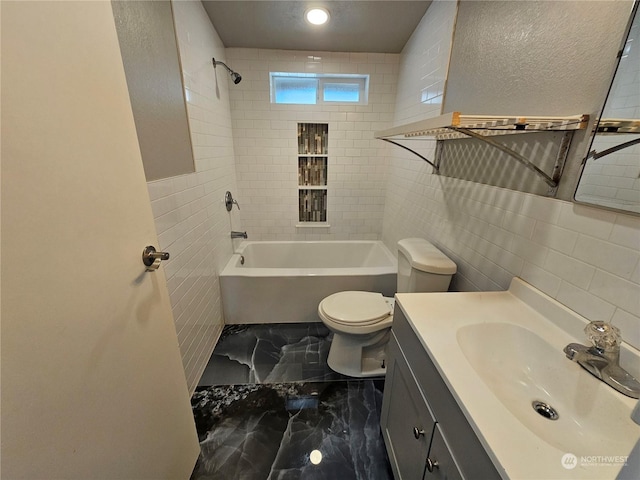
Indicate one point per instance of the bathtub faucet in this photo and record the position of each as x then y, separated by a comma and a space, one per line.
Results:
239, 235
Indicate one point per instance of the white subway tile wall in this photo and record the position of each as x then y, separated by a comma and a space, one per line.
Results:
265, 141
424, 63
192, 223
586, 258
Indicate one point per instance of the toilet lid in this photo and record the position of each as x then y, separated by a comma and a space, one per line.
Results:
362, 308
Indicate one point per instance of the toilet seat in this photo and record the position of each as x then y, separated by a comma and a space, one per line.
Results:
356, 309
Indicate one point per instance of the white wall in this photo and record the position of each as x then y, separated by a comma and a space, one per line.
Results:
191, 220
586, 258
265, 140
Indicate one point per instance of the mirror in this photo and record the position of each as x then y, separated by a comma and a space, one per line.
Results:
611, 171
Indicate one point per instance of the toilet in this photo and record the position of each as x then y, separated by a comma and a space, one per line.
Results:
361, 321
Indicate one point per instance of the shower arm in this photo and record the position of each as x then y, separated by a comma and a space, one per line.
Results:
235, 76
218, 62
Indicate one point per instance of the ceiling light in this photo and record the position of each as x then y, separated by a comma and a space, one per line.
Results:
317, 16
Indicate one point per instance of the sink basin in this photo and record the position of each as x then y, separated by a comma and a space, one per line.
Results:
498, 352
520, 367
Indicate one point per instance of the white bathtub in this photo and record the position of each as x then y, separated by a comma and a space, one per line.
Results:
283, 282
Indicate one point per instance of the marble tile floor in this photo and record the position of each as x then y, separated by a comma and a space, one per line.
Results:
269, 353
282, 413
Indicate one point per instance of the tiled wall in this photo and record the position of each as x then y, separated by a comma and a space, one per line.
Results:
191, 220
586, 258
266, 145
614, 180
424, 63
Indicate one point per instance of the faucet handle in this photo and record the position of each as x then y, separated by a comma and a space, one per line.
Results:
603, 335
229, 202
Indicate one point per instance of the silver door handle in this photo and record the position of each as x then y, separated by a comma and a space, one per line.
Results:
152, 258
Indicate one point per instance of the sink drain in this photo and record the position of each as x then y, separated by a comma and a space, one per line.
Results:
544, 409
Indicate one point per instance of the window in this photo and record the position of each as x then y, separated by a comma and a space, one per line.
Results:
299, 90
314, 89
344, 91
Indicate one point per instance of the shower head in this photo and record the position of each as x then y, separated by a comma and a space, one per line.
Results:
235, 76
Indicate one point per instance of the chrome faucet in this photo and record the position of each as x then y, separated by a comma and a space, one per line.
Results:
239, 235
602, 359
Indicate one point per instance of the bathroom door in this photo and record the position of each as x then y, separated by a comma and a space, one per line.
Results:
92, 382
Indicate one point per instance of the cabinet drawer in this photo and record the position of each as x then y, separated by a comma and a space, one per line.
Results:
407, 422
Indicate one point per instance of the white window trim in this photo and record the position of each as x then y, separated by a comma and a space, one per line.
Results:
322, 78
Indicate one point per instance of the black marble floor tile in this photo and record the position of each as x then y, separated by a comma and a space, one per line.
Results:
271, 353
282, 430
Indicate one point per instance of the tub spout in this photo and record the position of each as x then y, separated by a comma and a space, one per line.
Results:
239, 235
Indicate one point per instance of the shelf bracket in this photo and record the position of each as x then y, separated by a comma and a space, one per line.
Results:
553, 183
455, 125
596, 155
435, 167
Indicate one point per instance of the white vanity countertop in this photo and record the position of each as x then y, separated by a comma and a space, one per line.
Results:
518, 452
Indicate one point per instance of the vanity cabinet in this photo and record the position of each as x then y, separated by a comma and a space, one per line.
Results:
425, 432
407, 421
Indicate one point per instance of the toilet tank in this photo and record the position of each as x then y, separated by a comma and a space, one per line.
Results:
422, 267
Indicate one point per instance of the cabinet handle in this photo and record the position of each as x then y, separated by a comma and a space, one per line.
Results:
418, 433
431, 465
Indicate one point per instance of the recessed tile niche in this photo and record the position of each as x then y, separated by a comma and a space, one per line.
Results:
312, 172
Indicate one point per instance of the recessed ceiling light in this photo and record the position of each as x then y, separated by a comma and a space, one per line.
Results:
317, 16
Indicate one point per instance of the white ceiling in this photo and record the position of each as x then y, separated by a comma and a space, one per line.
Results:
355, 25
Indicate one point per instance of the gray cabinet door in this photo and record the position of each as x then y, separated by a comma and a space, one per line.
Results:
440, 462
407, 423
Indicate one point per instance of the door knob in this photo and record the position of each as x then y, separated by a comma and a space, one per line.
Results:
418, 432
152, 258
432, 465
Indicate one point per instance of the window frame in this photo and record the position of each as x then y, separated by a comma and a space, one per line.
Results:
321, 79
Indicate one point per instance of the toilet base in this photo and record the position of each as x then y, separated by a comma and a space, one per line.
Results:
359, 355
